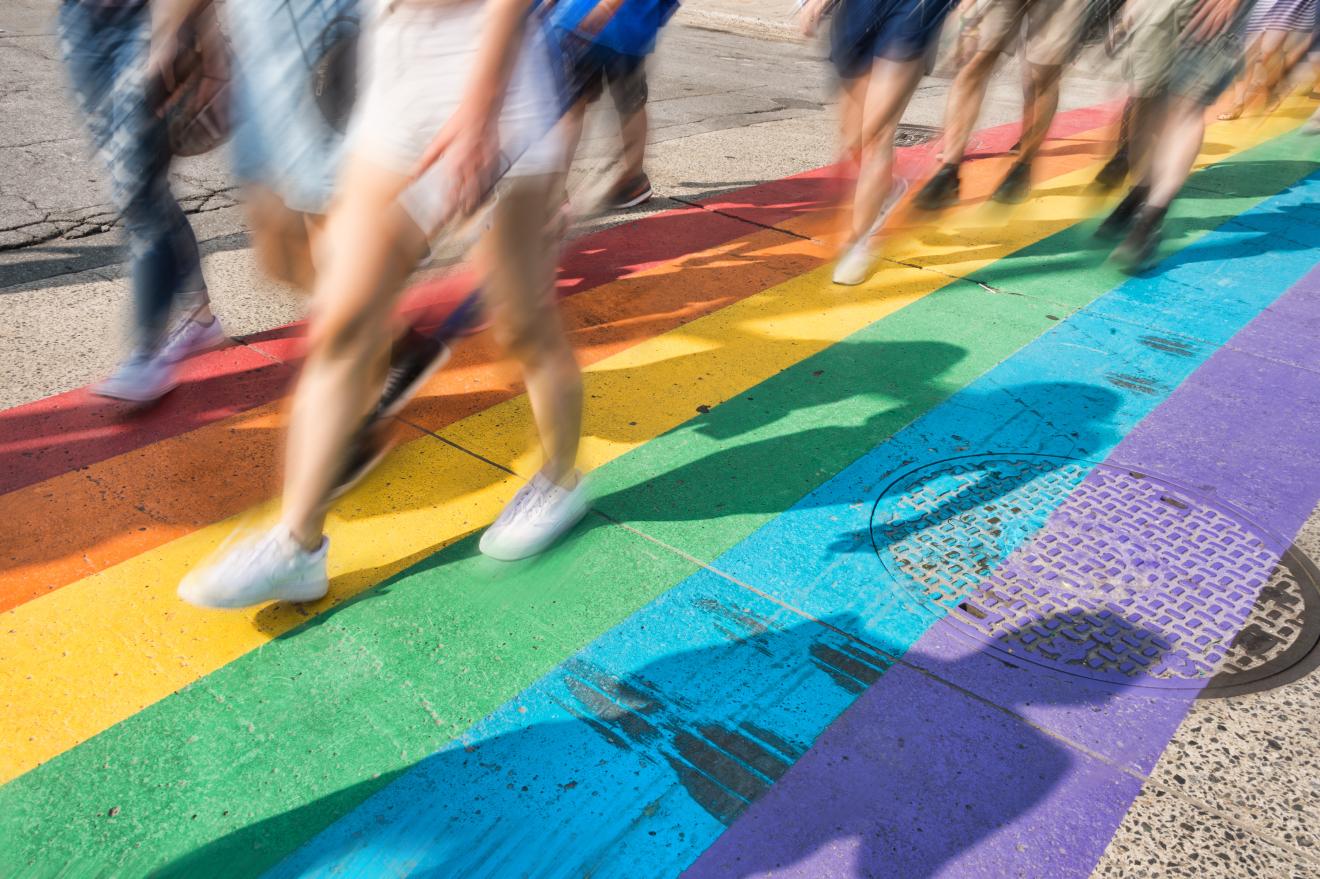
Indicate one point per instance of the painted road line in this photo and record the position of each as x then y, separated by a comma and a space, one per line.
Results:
1022, 399
499, 432
73, 784
61, 433
72, 526
1253, 453
77, 524
782, 325
639, 754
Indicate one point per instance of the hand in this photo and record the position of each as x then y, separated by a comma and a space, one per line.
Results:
168, 20
469, 145
1210, 19
810, 14
594, 21
160, 68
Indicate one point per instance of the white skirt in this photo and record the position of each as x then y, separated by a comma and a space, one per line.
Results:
415, 65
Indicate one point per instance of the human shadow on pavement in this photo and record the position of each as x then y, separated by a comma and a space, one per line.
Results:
760, 459
637, 770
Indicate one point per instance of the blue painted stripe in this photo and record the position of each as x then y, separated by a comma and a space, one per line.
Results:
634, 756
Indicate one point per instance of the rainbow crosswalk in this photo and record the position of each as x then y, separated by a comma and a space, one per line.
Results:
713, 675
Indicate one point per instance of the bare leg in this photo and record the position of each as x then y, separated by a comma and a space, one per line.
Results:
1270, 65
371, 248
634, 130
280, 238
571, 127
888, 91
852, 108
965, 100
518, 264
1039, 114
1180, 142
1241, 89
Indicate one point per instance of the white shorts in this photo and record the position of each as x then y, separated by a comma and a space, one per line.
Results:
415, 66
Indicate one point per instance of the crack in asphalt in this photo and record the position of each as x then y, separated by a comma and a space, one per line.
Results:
95, 219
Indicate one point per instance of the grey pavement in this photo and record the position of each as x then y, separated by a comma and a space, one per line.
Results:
728, 109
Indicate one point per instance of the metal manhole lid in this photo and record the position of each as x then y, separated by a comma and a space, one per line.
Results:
1101, 572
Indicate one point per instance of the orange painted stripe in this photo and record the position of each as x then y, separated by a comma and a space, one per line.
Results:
78, 523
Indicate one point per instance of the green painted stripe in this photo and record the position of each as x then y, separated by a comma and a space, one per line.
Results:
232, 773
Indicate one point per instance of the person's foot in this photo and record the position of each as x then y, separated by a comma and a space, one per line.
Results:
630, 193
1016, 186
1234, 112
1115, 171
854, 264
940, 191
1118, 221
257, 569
144, 377
191, 336
414, 358
539, 514
1137, 251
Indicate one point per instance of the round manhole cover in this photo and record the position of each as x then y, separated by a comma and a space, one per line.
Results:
1101, 572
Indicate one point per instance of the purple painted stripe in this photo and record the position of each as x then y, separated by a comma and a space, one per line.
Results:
1243, 429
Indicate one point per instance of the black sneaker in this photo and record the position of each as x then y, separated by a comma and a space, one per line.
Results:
1115, 171
414, 358
1016, 186
940, 191
630, 193
1117, 222
1137, 251
369, 446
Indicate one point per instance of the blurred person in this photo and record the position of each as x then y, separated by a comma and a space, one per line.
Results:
1115, 171
293, 89
605, 44
105, 46
586, 40
451, 92
1312, 125
880, 50
1278, 34
1053, 31
1183, 55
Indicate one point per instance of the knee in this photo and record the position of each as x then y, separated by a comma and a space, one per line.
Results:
533, 336
980, 67
342, 334
280, 240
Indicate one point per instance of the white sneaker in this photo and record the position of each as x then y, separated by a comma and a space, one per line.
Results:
142, 378
539, 514
256, 569
854, 265
189, 337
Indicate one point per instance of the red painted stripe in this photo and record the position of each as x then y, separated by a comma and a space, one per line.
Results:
67, 431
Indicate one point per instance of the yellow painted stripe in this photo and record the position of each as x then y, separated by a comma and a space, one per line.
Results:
80, 659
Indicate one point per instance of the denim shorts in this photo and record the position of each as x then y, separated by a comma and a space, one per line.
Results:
282, 138
897, 30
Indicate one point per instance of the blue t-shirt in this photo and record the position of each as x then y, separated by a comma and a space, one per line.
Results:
631, 31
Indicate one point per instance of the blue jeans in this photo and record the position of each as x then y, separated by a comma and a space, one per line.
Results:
105, 52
